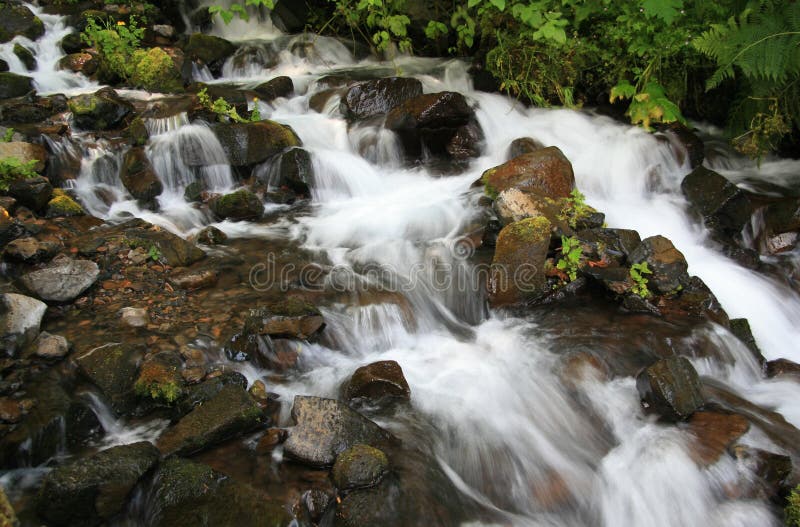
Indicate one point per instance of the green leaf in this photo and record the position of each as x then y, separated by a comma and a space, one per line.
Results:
499, 4
623, 90
473, 3
666, 10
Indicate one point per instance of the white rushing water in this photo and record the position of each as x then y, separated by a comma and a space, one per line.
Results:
509, 432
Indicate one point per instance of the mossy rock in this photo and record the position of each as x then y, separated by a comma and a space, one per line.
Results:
240, 205
102, 110
25, 56
13, 85
517, 272
156, 71
113, 368
19, 20
160, 378
359, 466
213, 51
62, 205
247, 144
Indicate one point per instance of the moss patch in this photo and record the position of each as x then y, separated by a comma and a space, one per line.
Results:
63, 205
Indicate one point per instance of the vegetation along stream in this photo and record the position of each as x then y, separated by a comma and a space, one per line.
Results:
397, 263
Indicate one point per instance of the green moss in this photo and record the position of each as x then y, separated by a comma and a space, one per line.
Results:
792, 510
532, 229
83, 104
63, 205
154, 70
167, 391
487, 187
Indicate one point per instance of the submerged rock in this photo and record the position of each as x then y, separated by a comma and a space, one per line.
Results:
517, 272
62, 280
292, 318
715, 433
725, 208
324, 428
376, 382
92, 490
231, 412
113, 368
135, 317
377, 97
670, 388
359, 466
545, 171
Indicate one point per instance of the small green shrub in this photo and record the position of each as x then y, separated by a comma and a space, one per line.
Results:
154, 70
571, 253
115, 43
226, 111
8, 136
792, 510
638, 272
12, 169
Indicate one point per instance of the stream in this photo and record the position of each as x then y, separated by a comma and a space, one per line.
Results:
487, 386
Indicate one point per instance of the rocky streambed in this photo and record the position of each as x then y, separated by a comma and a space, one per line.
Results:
382, 300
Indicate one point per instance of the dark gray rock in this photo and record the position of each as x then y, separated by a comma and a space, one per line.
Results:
377, 97
19, 20
239, 205
665, 261
670, 388
139, 177
277, 87
113, 368
359, 466
724, 207
102, 110
247, 144
34, 192
14, 85
62, 280
377, 381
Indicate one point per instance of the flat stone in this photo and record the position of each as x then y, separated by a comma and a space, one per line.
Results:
63, 280
51, 346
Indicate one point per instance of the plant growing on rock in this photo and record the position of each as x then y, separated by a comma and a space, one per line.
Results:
220, 106
637, 273
12, 169
238, 10
792, 510
570, 260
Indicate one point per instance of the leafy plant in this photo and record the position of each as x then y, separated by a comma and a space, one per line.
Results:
637, 273
239, 10
570, 260
154, 70
220, 106
792, 510
115, 43
574, 208
648, 105
12, 169
255, 113
8, 136
153, 253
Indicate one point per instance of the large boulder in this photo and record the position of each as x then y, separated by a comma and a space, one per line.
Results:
324, 428
113, 368
291, 318
377, 381
441, 124
545, 171
377, 97
139, 176
20, 321
31, 109
210, 50
239, 205
25, 152
19, 20
251, 143
14, 85
92, 490
724, 207
102, 110
189, 494
62, 280
667, 264
670, 388
276, 87
517, 272
231, 412
34, 192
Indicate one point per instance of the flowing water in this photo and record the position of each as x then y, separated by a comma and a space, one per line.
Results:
504, 426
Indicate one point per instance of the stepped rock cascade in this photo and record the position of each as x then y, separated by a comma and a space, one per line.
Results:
530, 416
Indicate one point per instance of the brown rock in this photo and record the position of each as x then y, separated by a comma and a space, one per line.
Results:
546, 171
517, 272
376, 381
195, 279
714, 433
10, 410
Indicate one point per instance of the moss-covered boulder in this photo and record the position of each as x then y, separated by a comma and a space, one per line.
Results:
188, 494
359, 466
62, 205
160, 377
139, 177
291, 318
667, 264
377, 97
92, 490
156, 70
25, 56
670, 388
517, 272
239, 205
14, 85
276, 87
198, 394
113, 368
212, 51
545, 171
211, 236
19, 20
230, 413
247, 144
72, 43
102, 110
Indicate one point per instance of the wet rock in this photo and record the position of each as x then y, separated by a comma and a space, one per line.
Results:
581, 366
30, 250
102, 110
135, 317
609, 245
25, 56
62, 280
316, 503
85, 63
261, 57
714, 433
782, 243
14, 85
211, 236
198, 394
113, 368
687, 139
724, 207
92, 490
11, 229
251, 143
276, 87
21, 318
616, 280
172, 249
136, 133
517, 272
774, 471
695, 300
10, 410
740, 327
211, 51
523, 145
293, 318
359, 466
72, 43
25, 110
160, 377
25, 153
8, 517
514, 205
379, 96
546, 171
665, 261
376, 382
61, 205
188, 494
292, 169
34, 192
51, 346
139, 177
3, 65
271, 439
19, 20
290, 17
324, 428
239, 205
194, 280
670, 388
783, 216
230, 413
440, 124
781, 368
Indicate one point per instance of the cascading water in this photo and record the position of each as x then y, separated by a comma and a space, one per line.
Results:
510, 433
